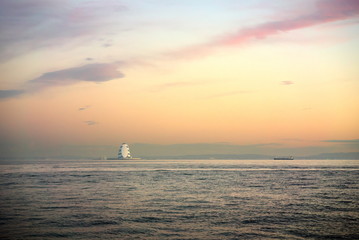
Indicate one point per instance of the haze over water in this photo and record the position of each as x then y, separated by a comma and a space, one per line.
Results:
180, 199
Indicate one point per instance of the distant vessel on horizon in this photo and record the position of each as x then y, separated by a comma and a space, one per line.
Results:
284, 158
124, 153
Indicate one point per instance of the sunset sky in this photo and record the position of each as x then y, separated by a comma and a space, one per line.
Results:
258, 76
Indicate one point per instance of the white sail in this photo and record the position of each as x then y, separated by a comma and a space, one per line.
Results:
124, 152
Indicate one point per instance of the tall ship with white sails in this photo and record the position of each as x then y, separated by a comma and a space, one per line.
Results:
124, 153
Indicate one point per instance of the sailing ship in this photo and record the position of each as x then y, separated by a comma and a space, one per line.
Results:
124, 153
284, 158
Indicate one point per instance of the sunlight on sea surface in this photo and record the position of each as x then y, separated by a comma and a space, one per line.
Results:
179, 199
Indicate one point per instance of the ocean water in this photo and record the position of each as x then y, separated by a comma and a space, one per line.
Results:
179, 199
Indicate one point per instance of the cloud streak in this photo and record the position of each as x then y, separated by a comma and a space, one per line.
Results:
91, 123
84, 108
287, 82
326, 11
10, 93
342, 141
96, 72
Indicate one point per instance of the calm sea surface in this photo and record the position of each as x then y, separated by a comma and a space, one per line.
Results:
179, 199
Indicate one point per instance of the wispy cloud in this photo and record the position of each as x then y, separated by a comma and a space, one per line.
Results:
106, 45
287, 82
91, 123
342, 141
326, 11
10, 93
84, 108
96, 72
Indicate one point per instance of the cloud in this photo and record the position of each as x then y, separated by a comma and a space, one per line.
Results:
342, 141
84, 108
326, 11
96, 72
106, 45
10, 93
91, 123
32, 24
287, 82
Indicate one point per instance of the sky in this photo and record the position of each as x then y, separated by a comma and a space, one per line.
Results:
258, 76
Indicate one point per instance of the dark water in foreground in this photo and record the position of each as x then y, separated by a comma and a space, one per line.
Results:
199, 199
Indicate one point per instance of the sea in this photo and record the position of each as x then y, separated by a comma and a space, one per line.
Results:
179, 199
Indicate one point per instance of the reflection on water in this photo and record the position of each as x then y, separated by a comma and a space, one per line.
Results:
180, 199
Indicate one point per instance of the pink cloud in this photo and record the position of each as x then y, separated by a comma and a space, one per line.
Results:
326, 11
287, 82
